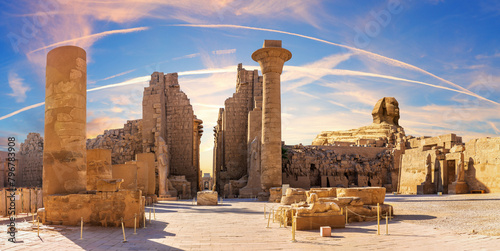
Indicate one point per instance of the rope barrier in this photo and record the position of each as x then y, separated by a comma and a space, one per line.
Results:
371, 217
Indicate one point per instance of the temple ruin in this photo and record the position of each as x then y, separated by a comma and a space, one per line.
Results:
169, 129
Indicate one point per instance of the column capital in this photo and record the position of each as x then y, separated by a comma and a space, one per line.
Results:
271, 59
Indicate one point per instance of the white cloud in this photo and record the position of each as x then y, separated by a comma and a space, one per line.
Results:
18, 87
120, 99
222, 52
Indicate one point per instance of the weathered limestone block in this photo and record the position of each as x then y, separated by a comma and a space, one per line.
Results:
317, 214
98, 167
100, 209
181, 185
367, 212
142, 175
323, 192
65, 155
127, 172
343, 201
369, 195
108, 185
148, 158
293, 195
271, 59
206, 198
253, 186
275, 194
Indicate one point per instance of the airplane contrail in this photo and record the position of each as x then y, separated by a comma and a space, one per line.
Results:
130, 82
96, 35
378, 57
339, 72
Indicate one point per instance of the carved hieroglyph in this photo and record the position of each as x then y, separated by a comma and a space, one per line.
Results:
271, 59
65, 153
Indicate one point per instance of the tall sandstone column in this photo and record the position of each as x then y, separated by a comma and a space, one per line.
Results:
271, 59
64, 153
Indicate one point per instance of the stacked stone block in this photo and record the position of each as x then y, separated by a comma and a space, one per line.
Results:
231, 131
30, 161
124, 142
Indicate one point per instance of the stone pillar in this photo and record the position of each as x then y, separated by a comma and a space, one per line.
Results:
271, 59
65, 153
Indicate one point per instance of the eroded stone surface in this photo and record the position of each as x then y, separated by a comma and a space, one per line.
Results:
206, 198
65, 155
369, 195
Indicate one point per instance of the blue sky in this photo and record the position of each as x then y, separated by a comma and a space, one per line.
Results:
439, 59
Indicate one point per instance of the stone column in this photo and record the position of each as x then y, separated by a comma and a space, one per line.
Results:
271, 59
65, 153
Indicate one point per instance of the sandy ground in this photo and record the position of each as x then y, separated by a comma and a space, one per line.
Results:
462, 214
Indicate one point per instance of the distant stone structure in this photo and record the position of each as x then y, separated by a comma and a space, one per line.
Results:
455, 167
31, 161
339, 166
167, 116
207, 182
383, 132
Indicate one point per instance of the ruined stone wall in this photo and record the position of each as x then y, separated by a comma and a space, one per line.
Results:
124, 142
31, 161
3, 168
332, 166
414, 171
179, 132
482, 169
154, 112
218, 152
232, 128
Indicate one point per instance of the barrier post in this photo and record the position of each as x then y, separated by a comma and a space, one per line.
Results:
81, 230
144, 219
135, 223
285, 222
390, 213
378, 218
38, 226
123, 230
386, 225
280, 215
294, 226
268, 220
154, 211
346, 216
273, 215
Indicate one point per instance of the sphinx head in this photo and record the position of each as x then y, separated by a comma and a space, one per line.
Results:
386, 111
